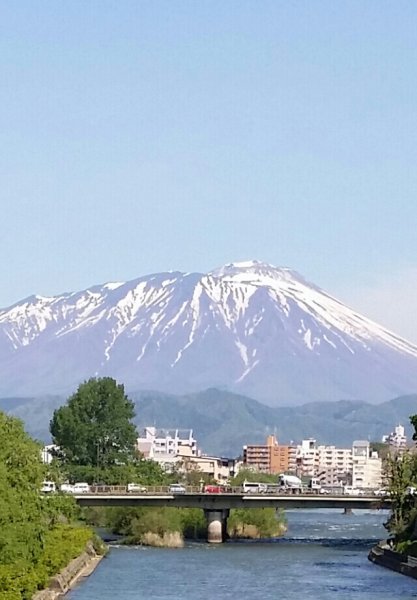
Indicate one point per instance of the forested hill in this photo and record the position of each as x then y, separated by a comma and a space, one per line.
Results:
223, 421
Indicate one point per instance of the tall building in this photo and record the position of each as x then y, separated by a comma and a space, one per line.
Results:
47, 453
397, 440
367, 466
307, 458
331, 465
272, 458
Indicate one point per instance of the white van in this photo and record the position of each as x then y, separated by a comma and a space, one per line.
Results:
66, 488
349, 490
81, 488
136, 487
48, 487
251, 487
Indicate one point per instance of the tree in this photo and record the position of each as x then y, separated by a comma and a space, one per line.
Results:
413, 421
22, 524
401, 473
95, 427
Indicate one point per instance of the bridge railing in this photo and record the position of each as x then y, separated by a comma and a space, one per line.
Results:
153, 490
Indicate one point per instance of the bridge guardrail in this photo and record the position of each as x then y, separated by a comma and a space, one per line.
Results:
111, 490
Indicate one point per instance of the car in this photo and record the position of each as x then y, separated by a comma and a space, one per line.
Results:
381, 492
80, 488
48, 487
352, 491
177, 488
136, 487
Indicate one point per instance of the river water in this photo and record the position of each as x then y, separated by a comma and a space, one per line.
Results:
322, 557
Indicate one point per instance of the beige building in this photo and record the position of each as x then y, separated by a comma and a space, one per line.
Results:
272, 458
331, 465
367, 466
219, 469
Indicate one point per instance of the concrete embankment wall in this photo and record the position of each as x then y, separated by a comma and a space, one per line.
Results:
81, 566
385, 557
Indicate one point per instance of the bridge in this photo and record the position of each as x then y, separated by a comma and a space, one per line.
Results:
217, 506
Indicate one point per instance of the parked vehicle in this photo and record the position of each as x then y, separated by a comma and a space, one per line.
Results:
80, 488
48, 487
177, 488
290, 482
136, 487
66, 488
251, 487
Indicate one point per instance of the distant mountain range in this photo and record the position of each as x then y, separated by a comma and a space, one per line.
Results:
223, 422
248, 328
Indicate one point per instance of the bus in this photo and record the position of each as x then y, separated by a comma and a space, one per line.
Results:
251, 487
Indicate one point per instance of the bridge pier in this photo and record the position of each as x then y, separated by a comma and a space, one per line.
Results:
216, 525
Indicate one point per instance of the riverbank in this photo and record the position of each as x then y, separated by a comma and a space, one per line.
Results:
77, 569
384, 556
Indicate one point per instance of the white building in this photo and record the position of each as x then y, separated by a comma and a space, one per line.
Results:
177, 448
167, 445
307, 458
396, 439
330, 464
367, 466
47, 453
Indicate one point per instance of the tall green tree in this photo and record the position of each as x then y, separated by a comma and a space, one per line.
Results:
22, 524
95, 427
413, 421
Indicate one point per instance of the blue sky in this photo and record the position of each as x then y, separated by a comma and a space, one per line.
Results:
146, 136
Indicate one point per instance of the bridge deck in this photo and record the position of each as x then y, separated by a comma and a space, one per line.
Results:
233, 500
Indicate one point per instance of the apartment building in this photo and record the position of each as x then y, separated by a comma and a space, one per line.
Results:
367, 466
165, 445
270, 457
307, 458
397, 440
330, 464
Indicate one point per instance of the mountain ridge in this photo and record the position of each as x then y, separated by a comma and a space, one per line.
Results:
223, 422
247, 327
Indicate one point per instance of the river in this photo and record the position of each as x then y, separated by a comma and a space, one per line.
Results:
322, 557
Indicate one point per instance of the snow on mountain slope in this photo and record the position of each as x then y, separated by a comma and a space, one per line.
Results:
248, 327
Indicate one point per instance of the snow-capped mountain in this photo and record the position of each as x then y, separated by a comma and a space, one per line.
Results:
247, 327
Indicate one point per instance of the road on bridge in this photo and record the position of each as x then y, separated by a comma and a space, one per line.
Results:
235, 498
